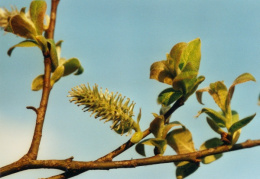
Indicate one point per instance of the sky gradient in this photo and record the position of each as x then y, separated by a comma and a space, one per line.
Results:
116, 42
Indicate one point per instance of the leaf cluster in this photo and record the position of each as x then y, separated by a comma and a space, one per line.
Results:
31, 27
226, 118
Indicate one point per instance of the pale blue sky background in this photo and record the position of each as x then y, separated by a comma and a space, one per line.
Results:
117, 41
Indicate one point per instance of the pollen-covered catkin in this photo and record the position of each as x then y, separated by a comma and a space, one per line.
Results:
106, 106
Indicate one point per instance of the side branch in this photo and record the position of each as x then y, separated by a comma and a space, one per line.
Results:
94, 165
120, 149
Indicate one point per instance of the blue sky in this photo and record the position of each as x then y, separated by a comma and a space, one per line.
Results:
117, 41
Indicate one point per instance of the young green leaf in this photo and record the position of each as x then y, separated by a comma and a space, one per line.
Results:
245, 77
160, 144
184, 80
214, 126
192, 54
239, 124
22, 26
186, 169
168, 96
139, 148
79, 71
58, 48
175, 56
182, 63
157, 126
236, 136
219, 92
25, 43
37, 83
193, 85
57, 74
136, 137
37, 13
42, 43
169, 126
53, 54
211, 143
181, 141
217, 117
235, 117
160, 72
199, 94
71, 65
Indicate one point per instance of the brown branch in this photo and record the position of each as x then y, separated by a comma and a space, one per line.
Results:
41, 111
105, 165
49, 34
120, 149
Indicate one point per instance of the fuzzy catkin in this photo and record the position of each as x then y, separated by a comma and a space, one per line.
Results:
106, 106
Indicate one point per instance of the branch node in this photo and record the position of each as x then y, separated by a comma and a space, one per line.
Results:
69, 159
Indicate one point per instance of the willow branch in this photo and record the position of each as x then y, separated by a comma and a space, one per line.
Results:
41, 111
105, 165
50, 31
120, 149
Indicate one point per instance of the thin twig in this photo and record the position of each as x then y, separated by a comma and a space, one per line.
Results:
32, 108
50, 31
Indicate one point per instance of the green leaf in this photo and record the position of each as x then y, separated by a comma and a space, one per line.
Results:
219, 92
57, 74
181, 141
192, 54
186, 169
37, 83
217, 117
26, 43
245, 77
22, 26
79, 71
193, 86
168, 96
71, 65
160, 144
137, 136
161, 72
42, 42
169, 126
157, 126
199, 94
37, 12
211, 143
235, 117
140, 149
239, 124
182, 63
214, 126
184, 80
175, 56
236, 136
58, 49
53, 54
